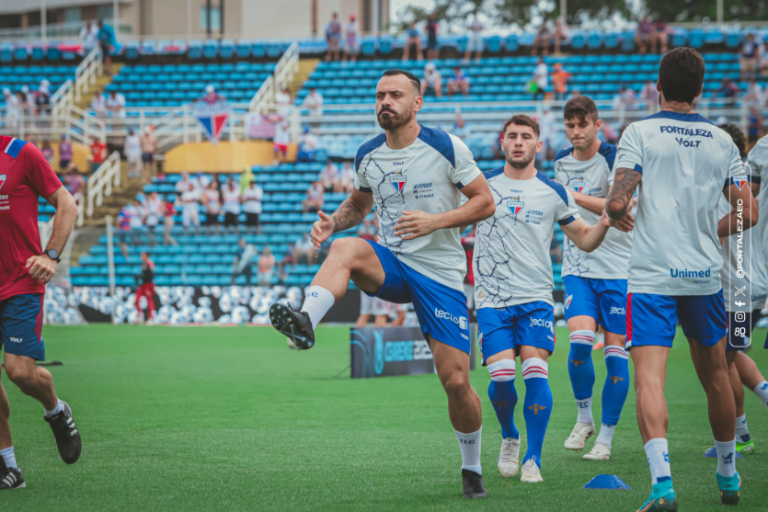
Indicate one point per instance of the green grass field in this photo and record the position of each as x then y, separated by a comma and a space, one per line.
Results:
207, 418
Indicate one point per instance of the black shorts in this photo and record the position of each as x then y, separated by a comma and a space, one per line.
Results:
63, 164
148, 158
252, 219
230, 219
211, 219
432, 42
105, 51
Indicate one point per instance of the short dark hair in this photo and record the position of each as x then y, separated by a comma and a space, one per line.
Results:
413, 78
738, 137
681, 74
580, 107
521, 120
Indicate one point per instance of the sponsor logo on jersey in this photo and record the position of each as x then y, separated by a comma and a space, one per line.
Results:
515, 205
16, 340
3, 177
461, 321
540, 322
617, 311
688, 132
684, 273
398, 181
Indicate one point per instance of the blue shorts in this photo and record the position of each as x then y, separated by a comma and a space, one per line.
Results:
605, 300
652, 319
21, 325
740, 326
441, 310
531, 324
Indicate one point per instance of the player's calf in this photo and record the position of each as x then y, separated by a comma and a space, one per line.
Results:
615, 393
582, 374
503, 397
538, 409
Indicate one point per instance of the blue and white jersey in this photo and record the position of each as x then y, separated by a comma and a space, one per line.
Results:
757, 169
686, 161
593, 178
426, 176
511, 261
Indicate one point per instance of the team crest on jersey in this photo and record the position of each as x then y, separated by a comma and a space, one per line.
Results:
577, 185
398, 181
740, 181
515, 205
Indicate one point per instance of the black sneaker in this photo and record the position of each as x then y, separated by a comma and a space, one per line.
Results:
474, 487
10, 478
294, 324
67, 437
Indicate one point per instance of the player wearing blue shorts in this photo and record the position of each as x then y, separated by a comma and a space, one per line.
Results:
513, 288
425, 185
596, 282
683, 164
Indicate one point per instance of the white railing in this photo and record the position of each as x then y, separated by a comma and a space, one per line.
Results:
264, 98
63, 97
101, 182
86, 73
286, 67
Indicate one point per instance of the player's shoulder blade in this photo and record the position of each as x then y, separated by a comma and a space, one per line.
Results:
608, 152
11, 146
556, 187
440, 141
563, 153
367, 147
678, 116
493, 173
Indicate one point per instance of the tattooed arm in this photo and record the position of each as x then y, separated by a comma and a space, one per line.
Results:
620, 196
350, 213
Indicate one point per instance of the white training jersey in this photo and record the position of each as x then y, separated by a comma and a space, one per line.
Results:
757, 168
511, 260
426, 176
593, 178
252, 199
685, 162
231, 198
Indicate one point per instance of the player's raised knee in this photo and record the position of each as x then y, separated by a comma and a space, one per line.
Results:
456, 383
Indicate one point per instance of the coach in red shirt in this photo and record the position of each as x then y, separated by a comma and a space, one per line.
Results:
25, 268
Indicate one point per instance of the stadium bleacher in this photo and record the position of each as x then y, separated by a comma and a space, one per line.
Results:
17, 76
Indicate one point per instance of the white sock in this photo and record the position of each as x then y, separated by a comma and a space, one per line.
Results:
55, 411
657, 451
606, 434
317, 303
469, 444
726, 457
742, 432
585, 411
10, 457
762, 392
502, 370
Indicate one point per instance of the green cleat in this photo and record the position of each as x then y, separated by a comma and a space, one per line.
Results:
662, 499
745, 448
730, 488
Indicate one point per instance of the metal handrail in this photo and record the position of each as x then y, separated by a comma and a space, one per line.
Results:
87, 71
101, 182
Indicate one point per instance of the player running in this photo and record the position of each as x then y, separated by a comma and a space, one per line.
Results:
595, 283
25, 269
418, 178
513, 288
683, 164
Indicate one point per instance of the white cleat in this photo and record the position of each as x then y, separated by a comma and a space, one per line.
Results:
531, 472
578, 438
598, 452
509, 457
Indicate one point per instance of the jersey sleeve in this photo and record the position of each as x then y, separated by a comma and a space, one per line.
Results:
737, 172
630, 150
465, 171
40, 176
567, 211
361, 182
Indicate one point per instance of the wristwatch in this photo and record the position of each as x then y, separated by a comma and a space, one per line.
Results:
53, 254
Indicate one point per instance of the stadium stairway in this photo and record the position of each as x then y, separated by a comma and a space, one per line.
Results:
306, 67
101, 82
120, 197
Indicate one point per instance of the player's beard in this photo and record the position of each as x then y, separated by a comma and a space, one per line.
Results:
520, 162
394, 120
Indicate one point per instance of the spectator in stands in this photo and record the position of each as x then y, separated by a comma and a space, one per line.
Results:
368, 231
123, 228
115, 104
75, 184
729, 91
190, 201
546, 33
351, 44
89, 36
662, 34
307, 146
43, 98
475, 42
153, 210
107, 41
625, 98
66, 152
315, 198
547, 130
314, 102
212, 203
242, 264
230, 195
99, 105
266, 265
135, 214
754, 126
459, 82
211, 96
610, 135
560, 79
304, 250
282, 273
749, 56
328, 176
460, 128
333, 37
132, 152
431, 28
541, 77
645, 34
29, 101
432, 82
284, 103
754, 94
281, 140
47, 152
98, 153
146, 288
12, 105
184, 183
346, 178
148, 150
764, 59
413, 39
650, 96
169, 211
251, 199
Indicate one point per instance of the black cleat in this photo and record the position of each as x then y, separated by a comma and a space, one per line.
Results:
474, 487
68, 439
294, 324
10, 478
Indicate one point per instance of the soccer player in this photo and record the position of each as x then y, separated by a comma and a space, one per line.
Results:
683, 164
26, 268
418, 178
513, 287
595, 283
372, 306
146, 288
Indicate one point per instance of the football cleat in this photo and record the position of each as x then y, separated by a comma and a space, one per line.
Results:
474, 487
578, 438
745, 448
531, 472
68, 439
293, 324
509, 457
598, 452
662, 499
10, 478
730, 488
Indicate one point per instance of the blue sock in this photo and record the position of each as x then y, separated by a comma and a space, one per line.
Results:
582, 372
538, 406
10, 457
616, 383
503, 395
